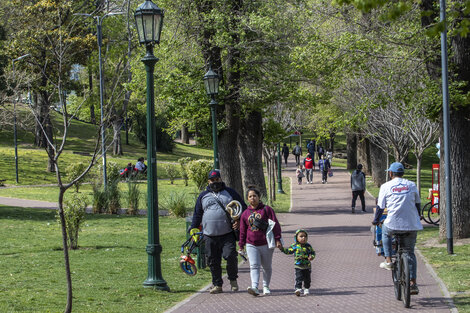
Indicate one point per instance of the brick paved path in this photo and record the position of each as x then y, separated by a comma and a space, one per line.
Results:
345, 275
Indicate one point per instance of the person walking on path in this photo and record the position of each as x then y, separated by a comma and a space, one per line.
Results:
253, 226
345, 274
297, 151
358, 187
309, 165
219, 235
299, 172
401, 198
303, 254
285, 153
320, 152
311, 149
324, 166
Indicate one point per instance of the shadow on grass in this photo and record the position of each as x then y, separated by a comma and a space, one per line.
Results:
88, 248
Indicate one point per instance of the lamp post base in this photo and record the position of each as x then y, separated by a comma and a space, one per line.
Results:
158, 284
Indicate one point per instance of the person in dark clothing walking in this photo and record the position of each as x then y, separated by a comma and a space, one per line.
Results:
324, 166
297, 152
320, 152
285, 153
218, 230
358, 187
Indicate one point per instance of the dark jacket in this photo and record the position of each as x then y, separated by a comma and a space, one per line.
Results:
211, 215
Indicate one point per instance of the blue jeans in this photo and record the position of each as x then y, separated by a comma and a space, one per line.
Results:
409, 244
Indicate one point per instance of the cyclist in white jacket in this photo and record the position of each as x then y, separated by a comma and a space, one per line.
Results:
401, 198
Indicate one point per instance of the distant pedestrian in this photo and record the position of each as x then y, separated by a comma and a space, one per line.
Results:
253, 234
324, 166
320, 152
299, 173
329, 156
303, 254
358, 187
285, 153
309, 165
297, 151
311, 149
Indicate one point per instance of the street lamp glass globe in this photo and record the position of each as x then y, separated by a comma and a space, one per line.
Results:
211, 82
149, 22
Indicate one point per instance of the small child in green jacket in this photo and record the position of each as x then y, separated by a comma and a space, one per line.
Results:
303, 253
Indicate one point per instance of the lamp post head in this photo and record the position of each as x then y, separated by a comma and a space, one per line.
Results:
211, 82
149, 23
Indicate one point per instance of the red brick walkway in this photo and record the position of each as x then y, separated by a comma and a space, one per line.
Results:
345, 275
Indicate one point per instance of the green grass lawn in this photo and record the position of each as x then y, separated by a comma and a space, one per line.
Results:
454, 270
107, 271
32, 162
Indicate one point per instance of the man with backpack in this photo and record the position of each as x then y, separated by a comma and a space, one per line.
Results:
297, 151
311, 148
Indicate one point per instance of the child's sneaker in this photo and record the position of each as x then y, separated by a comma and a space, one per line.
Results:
298, 292
253, 291
306, 292
266, 290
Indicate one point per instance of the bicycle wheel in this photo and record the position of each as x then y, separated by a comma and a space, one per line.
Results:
188, 268
425, 212
396, 280
433, 214
405, 280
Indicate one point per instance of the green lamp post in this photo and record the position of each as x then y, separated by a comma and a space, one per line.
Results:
211, 82
279, 175
149, 22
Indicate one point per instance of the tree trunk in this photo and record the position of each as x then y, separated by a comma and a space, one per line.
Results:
184, 134
117, 142
378, 162
43, 129
250, 143
419, 159
351, 148
68, 275
332, 142
458, 126
363, 154
460, 169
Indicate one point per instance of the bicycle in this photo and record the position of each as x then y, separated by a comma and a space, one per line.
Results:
430, 213
401, 270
